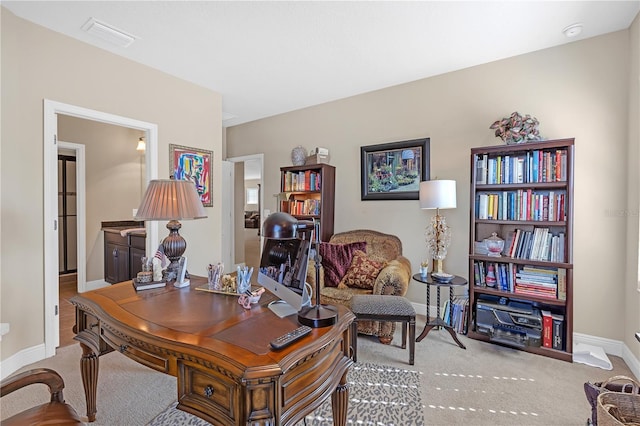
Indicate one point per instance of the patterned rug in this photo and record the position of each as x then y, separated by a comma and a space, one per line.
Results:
378, 395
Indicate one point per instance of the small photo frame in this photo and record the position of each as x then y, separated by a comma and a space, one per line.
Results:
393, 171
192, 164
181, 279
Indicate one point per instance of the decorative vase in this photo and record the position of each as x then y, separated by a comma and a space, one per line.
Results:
298, 156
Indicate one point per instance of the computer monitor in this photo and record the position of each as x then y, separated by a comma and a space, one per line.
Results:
283, 271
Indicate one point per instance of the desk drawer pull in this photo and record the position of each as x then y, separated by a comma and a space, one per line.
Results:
95, 324
123, 348
208, 391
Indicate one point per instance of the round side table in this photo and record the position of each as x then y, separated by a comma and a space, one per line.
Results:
438, 321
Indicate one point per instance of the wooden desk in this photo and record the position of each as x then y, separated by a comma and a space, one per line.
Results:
227, 373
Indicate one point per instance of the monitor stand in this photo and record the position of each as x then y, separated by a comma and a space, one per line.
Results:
282, 308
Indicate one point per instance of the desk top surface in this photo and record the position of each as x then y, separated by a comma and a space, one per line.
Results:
216, 324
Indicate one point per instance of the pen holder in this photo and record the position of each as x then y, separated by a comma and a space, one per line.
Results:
215, 275
244, 279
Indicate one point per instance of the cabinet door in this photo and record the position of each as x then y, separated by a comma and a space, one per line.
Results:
135, 261
116, 263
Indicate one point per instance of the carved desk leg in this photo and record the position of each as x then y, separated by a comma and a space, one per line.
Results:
89, 371
339, 401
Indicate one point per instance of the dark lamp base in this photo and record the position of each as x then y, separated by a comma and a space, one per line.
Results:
318, 316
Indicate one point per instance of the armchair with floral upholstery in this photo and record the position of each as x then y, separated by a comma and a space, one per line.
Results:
368, 262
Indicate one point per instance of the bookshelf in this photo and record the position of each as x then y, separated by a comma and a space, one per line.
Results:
310, 194
524, 194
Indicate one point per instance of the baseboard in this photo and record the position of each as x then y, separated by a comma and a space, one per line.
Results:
96, 284
611, 347
20, 359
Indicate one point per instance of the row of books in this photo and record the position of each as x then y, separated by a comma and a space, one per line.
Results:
537, 244
301, 207
552, 330
550, 283
458, 307
532, 166
521, 205
304, 180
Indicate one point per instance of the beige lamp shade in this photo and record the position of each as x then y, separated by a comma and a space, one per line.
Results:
438, 194
168, 199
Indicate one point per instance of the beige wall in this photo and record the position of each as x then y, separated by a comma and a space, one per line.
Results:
40, 64
578, 90
115, 179
632, 282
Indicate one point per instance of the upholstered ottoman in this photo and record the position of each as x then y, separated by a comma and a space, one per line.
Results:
384, 308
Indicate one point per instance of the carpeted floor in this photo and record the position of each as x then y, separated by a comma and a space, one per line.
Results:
378, 395
483, 385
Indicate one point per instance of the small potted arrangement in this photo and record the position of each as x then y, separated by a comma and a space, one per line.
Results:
517, 128
424, 268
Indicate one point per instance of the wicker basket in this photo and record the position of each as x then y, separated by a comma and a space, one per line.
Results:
613, 384
618, 409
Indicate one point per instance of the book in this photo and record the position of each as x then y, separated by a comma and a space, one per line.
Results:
557, 341
138, 286
481, 169
547, 328
562, 284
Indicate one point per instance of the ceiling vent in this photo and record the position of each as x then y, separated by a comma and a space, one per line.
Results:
108, 33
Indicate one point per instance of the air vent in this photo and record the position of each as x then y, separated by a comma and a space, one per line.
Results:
108, 33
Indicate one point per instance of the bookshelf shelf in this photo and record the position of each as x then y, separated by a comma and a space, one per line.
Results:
310, 193
524, 194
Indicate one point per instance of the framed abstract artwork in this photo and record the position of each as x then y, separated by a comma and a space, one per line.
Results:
193, 164
393, 171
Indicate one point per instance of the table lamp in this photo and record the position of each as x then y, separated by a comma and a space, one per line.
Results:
172, 200
438, 194
282, 226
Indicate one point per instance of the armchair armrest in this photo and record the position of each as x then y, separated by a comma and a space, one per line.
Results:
394, 278
41, 375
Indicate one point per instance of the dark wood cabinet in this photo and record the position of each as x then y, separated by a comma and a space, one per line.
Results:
310, 194
122, 255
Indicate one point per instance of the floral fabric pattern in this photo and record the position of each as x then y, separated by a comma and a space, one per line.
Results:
362, 272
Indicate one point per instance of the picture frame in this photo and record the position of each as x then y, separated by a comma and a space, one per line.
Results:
193, 164
182, 269
393, 171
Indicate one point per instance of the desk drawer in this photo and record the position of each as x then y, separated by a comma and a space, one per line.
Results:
207, 392
136, 353
88, 323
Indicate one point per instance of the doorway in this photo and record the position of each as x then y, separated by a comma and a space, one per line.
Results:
51, 221
67, 217
246, 173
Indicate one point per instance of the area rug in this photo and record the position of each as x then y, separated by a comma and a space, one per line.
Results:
378, 395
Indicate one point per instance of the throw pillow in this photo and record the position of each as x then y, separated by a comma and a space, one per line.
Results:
362, 272
336, 259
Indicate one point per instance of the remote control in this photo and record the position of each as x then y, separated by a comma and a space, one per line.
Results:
287, 339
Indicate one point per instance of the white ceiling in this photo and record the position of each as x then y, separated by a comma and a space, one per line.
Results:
267, 58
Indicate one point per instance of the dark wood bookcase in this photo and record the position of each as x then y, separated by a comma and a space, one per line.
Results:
310, 194
524, 194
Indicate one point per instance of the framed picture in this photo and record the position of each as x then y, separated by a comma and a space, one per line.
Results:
393, 171
192, 164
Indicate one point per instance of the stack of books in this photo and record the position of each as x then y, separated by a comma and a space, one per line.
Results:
456, 313
538, 281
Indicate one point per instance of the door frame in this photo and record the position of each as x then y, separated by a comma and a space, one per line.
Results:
51, 109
